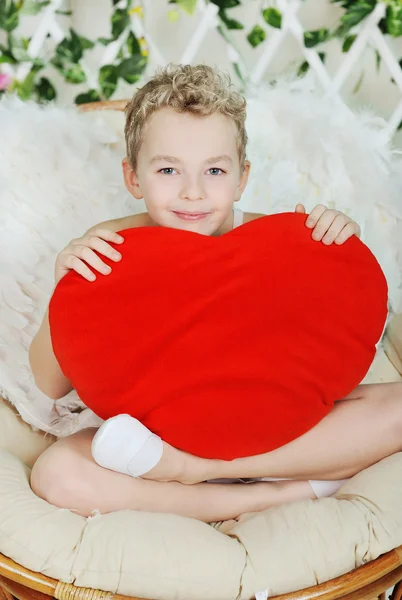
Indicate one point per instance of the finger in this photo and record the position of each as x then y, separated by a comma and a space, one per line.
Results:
338, 224
300, 209
347, 232
103, 248
106, 234
75, 264
323, 224
315, 214
93, 260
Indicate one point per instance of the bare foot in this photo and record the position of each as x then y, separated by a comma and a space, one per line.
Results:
176, 465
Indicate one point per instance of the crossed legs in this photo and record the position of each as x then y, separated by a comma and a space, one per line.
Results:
361, 430
67, 476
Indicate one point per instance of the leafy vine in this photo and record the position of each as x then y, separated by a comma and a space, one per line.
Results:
68, 57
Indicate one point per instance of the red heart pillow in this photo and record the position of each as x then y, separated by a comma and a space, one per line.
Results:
224, 346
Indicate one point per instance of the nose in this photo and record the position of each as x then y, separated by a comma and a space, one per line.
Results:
193, 189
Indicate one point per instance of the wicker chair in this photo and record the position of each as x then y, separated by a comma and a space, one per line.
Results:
367, 582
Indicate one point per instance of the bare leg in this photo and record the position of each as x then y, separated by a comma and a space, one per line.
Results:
360, 430
66, 475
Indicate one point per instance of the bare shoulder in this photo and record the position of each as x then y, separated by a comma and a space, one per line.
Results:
247, 217
140, 220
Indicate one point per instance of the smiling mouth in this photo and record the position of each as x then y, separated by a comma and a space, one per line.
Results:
190, 216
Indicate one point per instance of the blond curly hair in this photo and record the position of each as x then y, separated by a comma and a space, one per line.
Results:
198, 90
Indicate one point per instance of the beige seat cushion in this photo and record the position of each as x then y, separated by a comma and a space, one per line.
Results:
170, 557
393, 342
17, 437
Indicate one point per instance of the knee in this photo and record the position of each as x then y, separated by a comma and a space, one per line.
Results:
390, 402
58, 477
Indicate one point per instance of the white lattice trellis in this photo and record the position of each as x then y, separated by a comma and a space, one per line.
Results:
48, 26
367, 32
207, 19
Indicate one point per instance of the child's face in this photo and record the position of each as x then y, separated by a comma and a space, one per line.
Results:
188, 171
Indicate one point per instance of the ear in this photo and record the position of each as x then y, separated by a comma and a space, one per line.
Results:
243, 180
131, 179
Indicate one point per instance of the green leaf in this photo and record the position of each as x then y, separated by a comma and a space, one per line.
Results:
359, 83
86, 44
6, 59
357, 12
382, 26
256, 36
133, 46
19, 47
188, 6
352, 4
230, 23
37, 67
273, 17
68, 51
9, 18
120, 20
377, 60
341, 32
6, 56
348, 43
313, 38
25, 88
344, 3
238, 72
75, 74
304, 67
224, 4
64, 13
90, 96
400, 64
132, 68
45, 90
31, 7
173, 15
108, 77
302, 70
393, 19
105, 41
38, 64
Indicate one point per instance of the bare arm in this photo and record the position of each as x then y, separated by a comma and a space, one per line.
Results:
47, 373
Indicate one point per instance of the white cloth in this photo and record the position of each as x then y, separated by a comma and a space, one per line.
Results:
238, 216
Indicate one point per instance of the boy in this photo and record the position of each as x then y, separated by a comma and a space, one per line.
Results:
186, 157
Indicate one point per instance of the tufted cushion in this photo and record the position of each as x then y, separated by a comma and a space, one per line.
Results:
228, 346
168, 557
18, 438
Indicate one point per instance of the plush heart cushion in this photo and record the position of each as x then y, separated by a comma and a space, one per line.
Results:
224, 346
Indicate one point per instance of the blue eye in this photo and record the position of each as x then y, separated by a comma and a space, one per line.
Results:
163, 171
216, 169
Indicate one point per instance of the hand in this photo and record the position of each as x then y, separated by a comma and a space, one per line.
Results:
329, 225
82, 249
